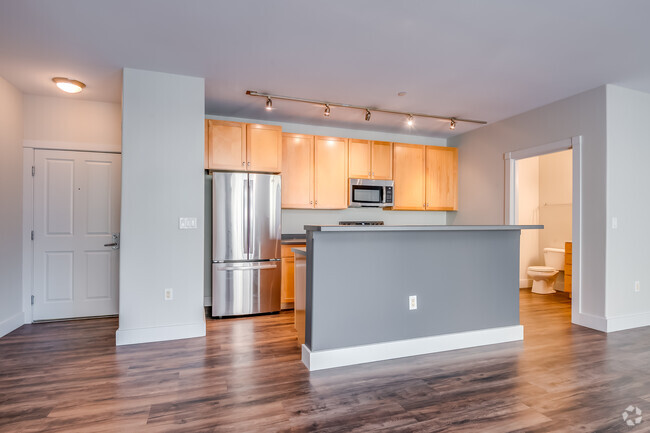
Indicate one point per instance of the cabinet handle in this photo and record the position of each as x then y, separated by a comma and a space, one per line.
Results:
316, 203
369, 174
249, 163
373, 173
243, 163
311, 202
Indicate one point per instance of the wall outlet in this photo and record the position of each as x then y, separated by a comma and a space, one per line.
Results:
413, 302
614, 222
187, 223
637, 286
169, 294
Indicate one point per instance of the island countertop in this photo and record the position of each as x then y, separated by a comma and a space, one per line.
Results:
415, 228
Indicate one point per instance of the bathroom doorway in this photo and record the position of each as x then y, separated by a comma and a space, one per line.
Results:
542, 185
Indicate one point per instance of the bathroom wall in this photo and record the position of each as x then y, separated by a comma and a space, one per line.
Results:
544, 185
555, 199
528, 213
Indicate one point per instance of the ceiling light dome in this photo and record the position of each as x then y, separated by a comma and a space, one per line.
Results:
68, 85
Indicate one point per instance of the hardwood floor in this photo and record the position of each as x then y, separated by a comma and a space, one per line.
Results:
246, 375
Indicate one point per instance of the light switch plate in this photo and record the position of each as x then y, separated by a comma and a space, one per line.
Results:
413, 302
186, 223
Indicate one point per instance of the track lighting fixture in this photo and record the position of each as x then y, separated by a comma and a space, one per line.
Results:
410, 116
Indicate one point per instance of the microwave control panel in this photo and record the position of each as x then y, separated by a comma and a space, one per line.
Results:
389, 194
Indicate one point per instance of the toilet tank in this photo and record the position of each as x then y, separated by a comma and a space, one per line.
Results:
554, 257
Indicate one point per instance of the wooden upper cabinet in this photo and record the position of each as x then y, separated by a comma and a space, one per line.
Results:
297, 171
330, 173
441, 178
263, 148
408, 174
382, 160
359, 163
226, 145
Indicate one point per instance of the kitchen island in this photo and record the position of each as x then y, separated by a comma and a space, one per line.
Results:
360, 281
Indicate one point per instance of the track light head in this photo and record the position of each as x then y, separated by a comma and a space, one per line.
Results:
452, 124
269, 104
327, 110
367, 115
409, 121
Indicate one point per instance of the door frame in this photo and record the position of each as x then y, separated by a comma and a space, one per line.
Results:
29, 153
511, 193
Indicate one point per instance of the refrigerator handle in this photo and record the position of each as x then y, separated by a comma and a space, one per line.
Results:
245, 214
251, 218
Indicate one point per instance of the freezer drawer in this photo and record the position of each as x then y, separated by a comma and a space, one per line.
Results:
245, 288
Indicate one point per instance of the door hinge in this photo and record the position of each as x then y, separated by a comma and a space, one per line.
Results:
32, 299
33, 170
32, 234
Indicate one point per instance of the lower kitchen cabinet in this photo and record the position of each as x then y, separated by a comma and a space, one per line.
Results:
287, 284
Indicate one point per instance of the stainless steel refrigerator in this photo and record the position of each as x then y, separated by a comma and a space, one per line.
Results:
246, 236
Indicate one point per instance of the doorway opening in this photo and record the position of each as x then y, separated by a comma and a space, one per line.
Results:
543, 188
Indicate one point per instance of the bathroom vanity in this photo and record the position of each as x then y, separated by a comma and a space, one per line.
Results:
382, 292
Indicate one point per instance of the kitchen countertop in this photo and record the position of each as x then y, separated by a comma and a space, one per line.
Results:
300, 250
294, 239
414, 228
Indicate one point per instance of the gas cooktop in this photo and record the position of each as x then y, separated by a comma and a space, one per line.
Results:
361, 223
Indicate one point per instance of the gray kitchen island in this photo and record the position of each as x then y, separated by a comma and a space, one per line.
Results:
361, 280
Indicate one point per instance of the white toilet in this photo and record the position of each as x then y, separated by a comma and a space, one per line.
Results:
544, 276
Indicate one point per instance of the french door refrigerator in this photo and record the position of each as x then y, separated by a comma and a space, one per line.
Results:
246, 236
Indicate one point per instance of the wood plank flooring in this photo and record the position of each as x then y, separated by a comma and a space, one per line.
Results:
246, 376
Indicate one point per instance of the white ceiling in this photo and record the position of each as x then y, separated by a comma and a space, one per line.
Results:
477, 59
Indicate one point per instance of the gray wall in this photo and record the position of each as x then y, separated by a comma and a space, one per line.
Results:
162, 180
293, 220
11, 202
628, 183
482, 175
358, 285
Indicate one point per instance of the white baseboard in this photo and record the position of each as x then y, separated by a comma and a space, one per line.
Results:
525, 283
590, 321
12, 323
160, 333
620, 323
207, 301
322, 359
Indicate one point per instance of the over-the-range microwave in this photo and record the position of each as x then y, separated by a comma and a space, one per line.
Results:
371, 193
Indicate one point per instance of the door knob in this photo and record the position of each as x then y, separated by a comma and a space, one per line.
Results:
116, 242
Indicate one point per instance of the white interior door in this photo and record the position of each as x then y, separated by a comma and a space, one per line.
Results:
76, 213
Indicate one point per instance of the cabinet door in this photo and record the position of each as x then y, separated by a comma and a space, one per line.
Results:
226, 145
359, 159
408, 174
330, 173
286, 291
442, 178
382, 160
297, 171
263, 148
